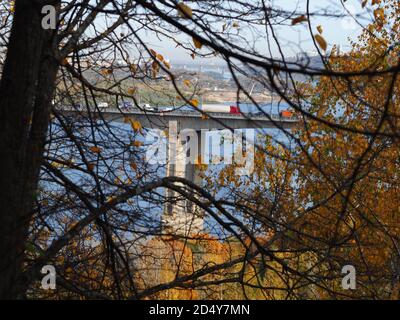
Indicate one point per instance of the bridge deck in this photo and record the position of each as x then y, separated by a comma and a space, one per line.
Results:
192, 119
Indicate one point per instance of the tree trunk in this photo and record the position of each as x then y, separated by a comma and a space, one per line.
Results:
26, 90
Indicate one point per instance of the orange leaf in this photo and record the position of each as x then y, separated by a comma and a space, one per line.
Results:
194, 102
197, 43
137, 144
136, 125
299, 19
133, 166
95, 149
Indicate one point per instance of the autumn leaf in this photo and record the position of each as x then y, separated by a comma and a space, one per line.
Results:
186, 83
106, 72
319, 29
184, 10
321, 42
95, 149
57, 165
133, 68
110, 199
167, 64
133, 166
299, 19
64, 62
197, 43
153, 53
136, 125
137, 144
194, 102
155, 68
160, 57
379, 15
131, 91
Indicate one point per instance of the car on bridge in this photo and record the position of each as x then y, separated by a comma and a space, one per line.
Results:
126, 105
103, 105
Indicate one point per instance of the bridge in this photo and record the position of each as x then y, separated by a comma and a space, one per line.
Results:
192, 119
181, 217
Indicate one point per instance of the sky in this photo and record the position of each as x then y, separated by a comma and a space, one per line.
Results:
336, 30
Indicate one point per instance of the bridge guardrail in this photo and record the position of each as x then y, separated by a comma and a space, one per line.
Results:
161, 113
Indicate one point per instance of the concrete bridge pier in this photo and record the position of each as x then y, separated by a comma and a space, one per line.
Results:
181, 217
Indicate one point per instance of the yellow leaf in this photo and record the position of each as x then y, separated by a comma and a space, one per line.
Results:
321, 42
197, 43
319, 28
194, 102
184, 10
57, 165
160, 57
299, 19
131, 91
167, 64
136, 125
186, 83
